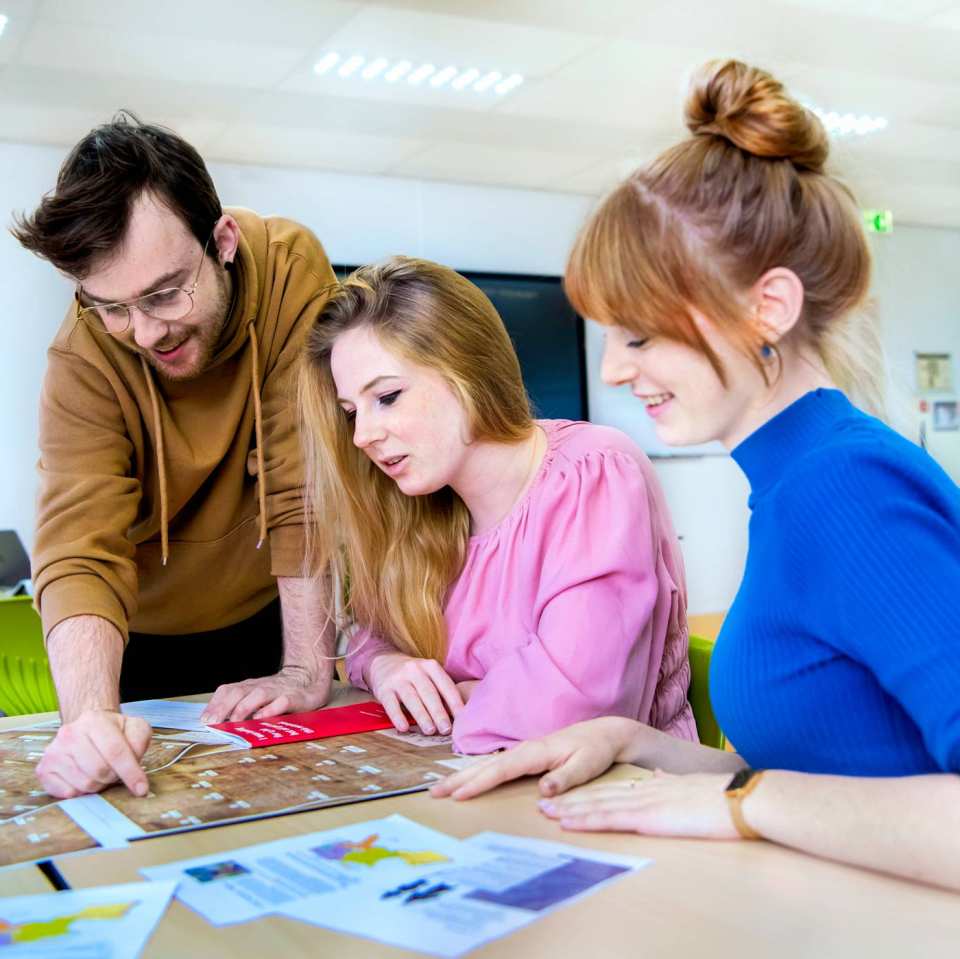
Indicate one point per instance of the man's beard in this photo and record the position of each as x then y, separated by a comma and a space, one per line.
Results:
206, 337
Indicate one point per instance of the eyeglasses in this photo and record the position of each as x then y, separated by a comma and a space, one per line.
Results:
173, 303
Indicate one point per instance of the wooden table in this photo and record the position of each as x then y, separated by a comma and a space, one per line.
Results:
716, 899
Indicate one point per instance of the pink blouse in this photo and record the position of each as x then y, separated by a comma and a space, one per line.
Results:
573, 607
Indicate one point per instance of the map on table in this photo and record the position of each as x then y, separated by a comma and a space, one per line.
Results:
194, 786
34, 825
111, 922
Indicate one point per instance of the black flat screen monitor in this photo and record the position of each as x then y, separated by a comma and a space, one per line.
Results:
547, 334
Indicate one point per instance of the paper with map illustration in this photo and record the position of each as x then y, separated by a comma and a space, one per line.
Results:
250, 882
110, 922
518, 881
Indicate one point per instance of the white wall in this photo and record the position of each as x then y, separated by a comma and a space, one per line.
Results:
917, 287
363, 218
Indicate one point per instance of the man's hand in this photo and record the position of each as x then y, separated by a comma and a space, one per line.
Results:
419, 686
96, 749
292, 690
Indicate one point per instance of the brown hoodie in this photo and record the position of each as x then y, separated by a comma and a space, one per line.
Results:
126, 456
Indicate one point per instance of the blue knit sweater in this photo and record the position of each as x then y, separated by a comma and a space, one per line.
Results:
841, 652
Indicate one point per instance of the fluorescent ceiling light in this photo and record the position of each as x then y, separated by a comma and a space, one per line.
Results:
847, 124
421, 73
351, 65
374, 68
444, 76
415, 74
397, 71
487, 81
3, 23
505, 86
465, 78
326, 62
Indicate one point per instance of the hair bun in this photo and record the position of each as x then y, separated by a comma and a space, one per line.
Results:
751, 109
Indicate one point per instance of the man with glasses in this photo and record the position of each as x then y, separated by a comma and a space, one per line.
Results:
169, 549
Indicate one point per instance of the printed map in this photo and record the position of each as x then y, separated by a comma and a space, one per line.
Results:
194, 785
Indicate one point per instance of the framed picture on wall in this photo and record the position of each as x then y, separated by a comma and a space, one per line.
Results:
946, 416
934, 372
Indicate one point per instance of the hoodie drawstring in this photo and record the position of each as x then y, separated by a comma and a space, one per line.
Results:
258, 427
161, 464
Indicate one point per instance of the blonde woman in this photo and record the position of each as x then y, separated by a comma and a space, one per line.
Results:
728, 274
507, 575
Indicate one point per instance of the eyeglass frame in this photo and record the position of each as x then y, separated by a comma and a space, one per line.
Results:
82, 310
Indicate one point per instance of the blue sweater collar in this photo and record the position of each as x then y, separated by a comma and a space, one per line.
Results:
767, 453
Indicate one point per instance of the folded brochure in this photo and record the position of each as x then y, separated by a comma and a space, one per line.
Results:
300, 727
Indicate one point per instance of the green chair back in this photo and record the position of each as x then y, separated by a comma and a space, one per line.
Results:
26, 685
700, 652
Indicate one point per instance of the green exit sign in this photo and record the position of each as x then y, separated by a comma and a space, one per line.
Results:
878, 221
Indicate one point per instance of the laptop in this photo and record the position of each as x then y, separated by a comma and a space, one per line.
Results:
14, 564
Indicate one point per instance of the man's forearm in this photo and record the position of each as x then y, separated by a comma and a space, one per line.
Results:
309, 628
85, 655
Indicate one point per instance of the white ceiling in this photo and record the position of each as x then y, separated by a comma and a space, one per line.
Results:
603, 90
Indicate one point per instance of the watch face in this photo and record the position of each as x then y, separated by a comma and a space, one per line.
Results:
740, 778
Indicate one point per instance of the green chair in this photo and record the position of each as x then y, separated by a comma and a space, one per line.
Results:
26, 685
700, 652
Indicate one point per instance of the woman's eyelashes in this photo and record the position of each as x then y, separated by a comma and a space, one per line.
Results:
388, 399
637, 344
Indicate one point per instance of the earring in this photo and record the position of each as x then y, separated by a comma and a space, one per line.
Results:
766, 351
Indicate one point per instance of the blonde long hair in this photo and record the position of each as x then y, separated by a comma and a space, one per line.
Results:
745, 192
400, 553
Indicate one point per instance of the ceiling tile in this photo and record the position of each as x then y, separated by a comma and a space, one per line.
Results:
311, 147
490, 164
120, 52
283, 23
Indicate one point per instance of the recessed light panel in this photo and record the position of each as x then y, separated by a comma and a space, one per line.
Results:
425, 75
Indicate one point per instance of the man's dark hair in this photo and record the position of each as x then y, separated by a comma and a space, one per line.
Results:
87, 213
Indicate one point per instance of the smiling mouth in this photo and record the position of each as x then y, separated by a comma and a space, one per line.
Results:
392, 461
169, 349
656, 399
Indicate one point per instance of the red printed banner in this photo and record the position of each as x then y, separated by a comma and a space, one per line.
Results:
299, 727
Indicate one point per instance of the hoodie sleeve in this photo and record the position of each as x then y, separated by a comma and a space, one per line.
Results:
83, 561
303, 279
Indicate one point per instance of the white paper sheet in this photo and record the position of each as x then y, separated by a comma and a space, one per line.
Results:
175, 714
243, 884
517, 881
111, 922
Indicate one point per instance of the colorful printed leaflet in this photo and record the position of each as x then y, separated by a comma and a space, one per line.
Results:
247, 883
300, 727
458, 908
112, 921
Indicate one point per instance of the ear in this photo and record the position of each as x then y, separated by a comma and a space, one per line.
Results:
778, 302
226, 237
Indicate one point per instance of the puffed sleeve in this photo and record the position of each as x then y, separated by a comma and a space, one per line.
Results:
591, 651
362, 648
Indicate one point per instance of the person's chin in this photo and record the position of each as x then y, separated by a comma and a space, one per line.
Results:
184, 364
411, 486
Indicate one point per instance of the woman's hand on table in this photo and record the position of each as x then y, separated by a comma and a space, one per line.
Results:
419, 686
569, 757
660, 804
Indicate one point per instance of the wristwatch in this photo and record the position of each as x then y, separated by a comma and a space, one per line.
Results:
743, 783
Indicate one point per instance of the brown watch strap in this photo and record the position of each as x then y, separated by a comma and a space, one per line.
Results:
742, 784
